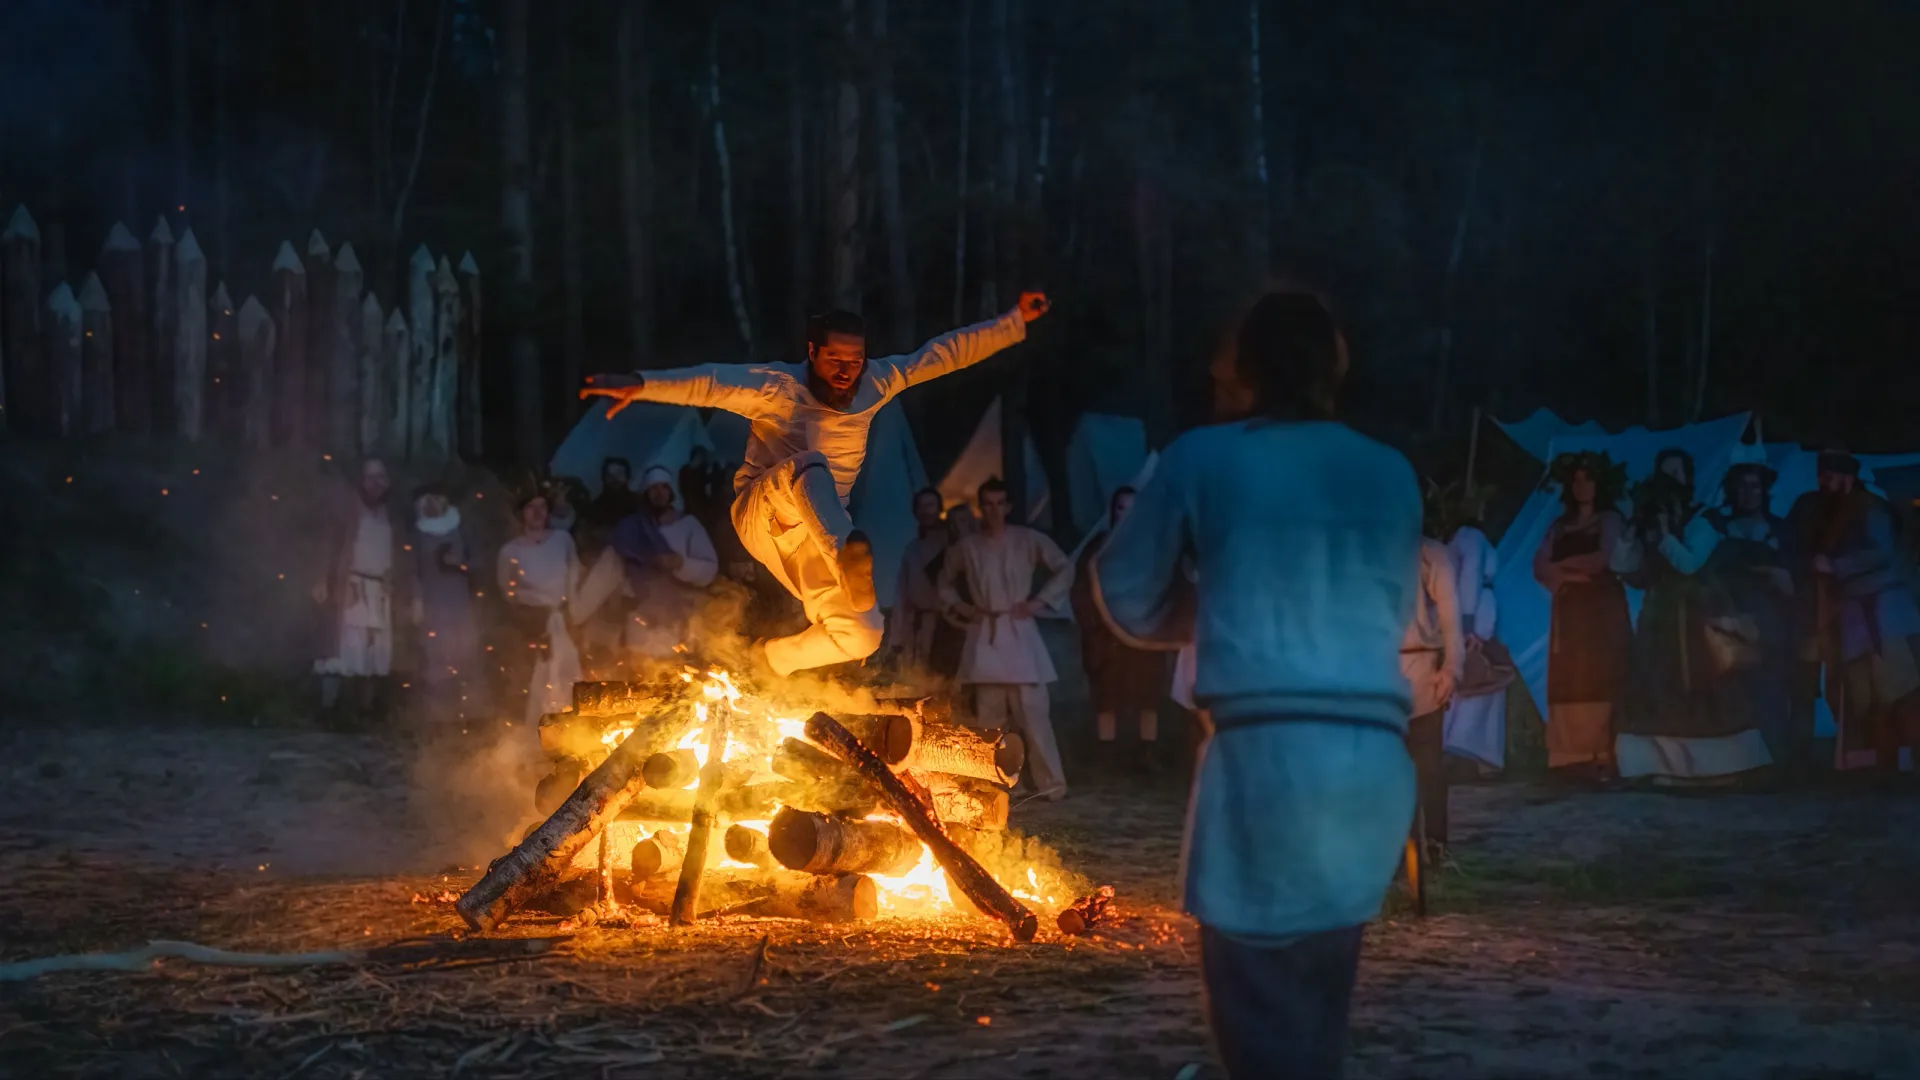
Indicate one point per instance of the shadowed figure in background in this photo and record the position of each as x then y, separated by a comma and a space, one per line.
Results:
1433, 658
805, 448
367, 580
1122, 681
1306, 578
539, 572
452, 677
670, 562
916, 596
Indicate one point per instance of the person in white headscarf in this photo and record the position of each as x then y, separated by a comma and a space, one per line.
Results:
807, 443
539, 572
677, 576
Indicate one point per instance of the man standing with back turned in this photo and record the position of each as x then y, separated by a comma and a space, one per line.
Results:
804, 452
1306, 539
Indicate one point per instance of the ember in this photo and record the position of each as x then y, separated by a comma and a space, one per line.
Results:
832, 818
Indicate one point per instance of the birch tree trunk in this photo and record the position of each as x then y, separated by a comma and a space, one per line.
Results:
420, 361
633, 90
289, 300
63, 361
446, 362
1259, 195
96, 357
123, 272
257, 353
343, 352
222, 144
736, 292
1007, 182
190, 340
179, 40
800, 222
1443, 356
1650, 305
846, 172
1706, 328
165, 308
893, 216
319, 264
573, 347
29, 405
962, 194
516, 217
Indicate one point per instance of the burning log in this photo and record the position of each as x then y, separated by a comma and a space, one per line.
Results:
820, 781
686, 897
909, 742
627, 698
748, 802
749, 846
970, 876
1087, 912
540, 860
824, 844
965, 801
572, 735
671, 769
840, 898
553, 788
662, 853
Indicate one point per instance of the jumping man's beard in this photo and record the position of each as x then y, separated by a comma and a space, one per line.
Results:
824, 391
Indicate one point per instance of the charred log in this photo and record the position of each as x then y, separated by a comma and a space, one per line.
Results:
686, 898
749, 846
1087, 912
824, 844
973, 880
641, 698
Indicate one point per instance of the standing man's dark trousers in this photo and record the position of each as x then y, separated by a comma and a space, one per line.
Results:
1426, 746
1281, 1013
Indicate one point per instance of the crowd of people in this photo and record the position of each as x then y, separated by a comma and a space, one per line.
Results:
581, 589
1747, 620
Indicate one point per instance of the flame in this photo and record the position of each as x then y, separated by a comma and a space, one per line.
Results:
923, 889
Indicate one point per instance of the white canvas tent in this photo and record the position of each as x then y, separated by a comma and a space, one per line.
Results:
882, 500
1104, 455
982, 459
646, 434
1536, 433
728, 431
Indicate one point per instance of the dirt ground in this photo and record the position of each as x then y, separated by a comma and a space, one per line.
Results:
1630, 935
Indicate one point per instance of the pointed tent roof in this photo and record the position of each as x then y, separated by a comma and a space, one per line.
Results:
1104, 455
646, 434
982, 459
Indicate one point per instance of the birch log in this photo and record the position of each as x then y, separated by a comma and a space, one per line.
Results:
540, 859
164, 303
63, 361
446, 362
20, 341
190, 339
223, 394
373, 401
96, 357
395, 354
289, 305
343, 354
420, 361
825, 844
964, 800
123, 273
470, 340
255, 392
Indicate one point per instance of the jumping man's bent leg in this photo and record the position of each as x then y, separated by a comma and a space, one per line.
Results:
791, 520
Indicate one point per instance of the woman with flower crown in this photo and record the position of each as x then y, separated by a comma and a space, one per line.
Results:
1586, 661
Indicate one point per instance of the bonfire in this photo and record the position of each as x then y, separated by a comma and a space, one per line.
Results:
684, 796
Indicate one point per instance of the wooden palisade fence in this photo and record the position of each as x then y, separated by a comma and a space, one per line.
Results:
142, 345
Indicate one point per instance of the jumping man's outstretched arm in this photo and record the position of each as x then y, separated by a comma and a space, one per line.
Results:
960, 348
737, 388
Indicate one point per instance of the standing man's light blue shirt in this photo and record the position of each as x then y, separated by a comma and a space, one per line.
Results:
1306, 537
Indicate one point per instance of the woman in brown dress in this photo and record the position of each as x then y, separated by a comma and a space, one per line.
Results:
1586, 662
1123, 681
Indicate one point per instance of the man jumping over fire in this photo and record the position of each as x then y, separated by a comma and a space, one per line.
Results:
808, 441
